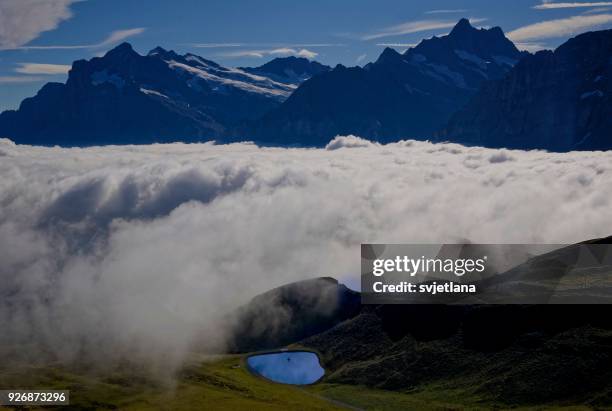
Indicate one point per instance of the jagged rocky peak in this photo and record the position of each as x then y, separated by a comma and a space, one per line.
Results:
388, 55
487, 43
483, 40
124, 47
116, 59
157, 50
289, 69
163, 53
118, 62
122, 51
299, 63
462, 28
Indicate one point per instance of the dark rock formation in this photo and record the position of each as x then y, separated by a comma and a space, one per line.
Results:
557, 101
294, 70
126, 98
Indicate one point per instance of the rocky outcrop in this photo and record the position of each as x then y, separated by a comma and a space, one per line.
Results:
293, 70
290, 313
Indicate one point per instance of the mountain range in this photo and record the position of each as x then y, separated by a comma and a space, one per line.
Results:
126, 98
472, 86
408, 95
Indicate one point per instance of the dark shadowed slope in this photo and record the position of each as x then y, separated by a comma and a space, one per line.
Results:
558, 101
513, 355
292, 312
503, 354
398, 96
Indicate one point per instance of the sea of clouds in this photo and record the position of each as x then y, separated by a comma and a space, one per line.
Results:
140, 250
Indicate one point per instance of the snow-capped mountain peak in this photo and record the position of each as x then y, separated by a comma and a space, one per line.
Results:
197, 69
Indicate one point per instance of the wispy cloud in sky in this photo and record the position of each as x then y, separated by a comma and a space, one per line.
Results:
243, 53
113, 38
19, 79
318, 45
597, 10
560, 27
261, 45
570, 5
415, 26
445, 11
42, 68
21, 21
396, 44
120, 35
215, 45
281, 51
531, 47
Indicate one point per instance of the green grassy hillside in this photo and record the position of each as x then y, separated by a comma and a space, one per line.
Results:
224, 383
219, 384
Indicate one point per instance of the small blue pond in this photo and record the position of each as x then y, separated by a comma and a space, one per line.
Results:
288, 367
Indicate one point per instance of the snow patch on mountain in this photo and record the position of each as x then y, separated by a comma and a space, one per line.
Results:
594, 93
472, 58
153, 93
505, 60
236, 78
456, 78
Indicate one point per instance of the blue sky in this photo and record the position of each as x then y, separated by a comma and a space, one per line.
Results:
39, 39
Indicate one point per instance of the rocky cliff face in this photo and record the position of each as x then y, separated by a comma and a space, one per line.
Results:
406, 95
557, 101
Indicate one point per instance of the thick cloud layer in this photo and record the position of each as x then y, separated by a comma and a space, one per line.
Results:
140, 250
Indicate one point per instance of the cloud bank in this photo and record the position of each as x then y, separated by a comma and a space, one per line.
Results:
445, 11
275, 52
138, 251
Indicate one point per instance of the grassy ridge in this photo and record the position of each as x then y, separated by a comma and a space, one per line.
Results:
433, 398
